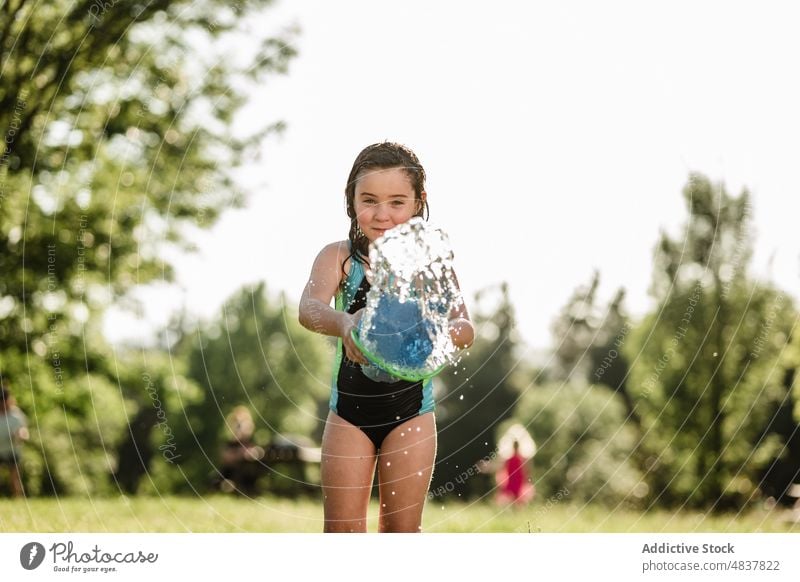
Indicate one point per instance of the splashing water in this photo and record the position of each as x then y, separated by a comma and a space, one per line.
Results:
405, 328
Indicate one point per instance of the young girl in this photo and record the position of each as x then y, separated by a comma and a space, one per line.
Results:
371, 423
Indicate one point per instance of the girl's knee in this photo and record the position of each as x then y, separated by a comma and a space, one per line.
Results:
345, 526
408, 520
401, 526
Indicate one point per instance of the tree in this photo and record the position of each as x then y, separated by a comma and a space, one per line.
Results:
117, 120
575, 331
777, 478
159, 392
589, 342
703, 389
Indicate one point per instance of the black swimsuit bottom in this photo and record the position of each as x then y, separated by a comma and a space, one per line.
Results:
377, 408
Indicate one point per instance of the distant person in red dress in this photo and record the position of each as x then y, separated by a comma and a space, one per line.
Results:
513, 480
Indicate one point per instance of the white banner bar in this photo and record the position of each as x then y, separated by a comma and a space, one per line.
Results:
399, 557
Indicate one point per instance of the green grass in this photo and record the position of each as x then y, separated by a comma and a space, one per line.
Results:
220, 513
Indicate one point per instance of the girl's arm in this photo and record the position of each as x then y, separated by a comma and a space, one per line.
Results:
462, 331
316, 312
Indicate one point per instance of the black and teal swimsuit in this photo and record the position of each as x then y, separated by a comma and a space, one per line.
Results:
376, 408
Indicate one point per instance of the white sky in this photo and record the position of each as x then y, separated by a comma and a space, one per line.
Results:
557, 139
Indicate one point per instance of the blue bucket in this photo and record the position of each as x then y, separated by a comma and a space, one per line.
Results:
399, 341
404, 331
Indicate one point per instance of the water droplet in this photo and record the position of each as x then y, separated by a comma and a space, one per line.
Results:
461, 397
392, 492
715, 354
419, 473
388, 463
418, 429
402, 434
405, 452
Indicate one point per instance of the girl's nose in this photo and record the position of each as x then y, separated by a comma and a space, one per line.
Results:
382, 212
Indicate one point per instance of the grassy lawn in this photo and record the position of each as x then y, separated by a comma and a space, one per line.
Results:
221, 513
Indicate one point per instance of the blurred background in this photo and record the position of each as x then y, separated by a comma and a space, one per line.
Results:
618, 183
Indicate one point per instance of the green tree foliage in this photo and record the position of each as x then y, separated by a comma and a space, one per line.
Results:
777, 478
158, 393
589, 339
254, 354
705, 377
583, 442
575, 331
117, 119
477, 395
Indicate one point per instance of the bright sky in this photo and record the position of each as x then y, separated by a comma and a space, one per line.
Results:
557, 138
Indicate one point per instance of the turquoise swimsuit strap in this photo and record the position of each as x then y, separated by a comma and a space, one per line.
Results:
354, 278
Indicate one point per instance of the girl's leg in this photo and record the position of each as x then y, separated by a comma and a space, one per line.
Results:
348, 466
405, 466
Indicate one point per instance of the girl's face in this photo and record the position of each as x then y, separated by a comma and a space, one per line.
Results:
384, 198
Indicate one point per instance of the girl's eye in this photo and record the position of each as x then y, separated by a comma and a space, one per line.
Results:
369, 201
398, 203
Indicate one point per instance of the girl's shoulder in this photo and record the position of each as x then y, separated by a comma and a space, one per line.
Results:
339, 246
339, 249
336, 255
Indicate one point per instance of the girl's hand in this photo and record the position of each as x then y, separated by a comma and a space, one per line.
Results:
349, 323
462, 333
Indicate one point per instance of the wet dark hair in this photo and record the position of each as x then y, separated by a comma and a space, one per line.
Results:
381, 156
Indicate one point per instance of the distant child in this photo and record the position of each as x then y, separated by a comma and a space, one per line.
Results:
13, 429
513, 482
241, 457
388, 424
